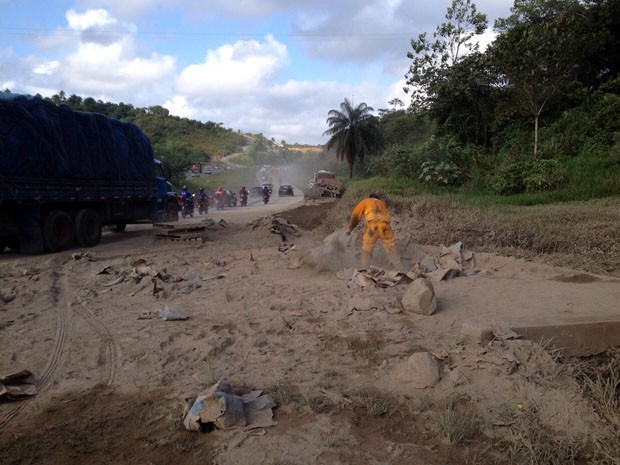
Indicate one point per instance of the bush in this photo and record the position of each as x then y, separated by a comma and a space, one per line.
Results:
508, 180
440, 172
544, 175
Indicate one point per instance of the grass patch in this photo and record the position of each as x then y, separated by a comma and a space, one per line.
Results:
283, 393
533, 443
375, 403
455, 425
316, 403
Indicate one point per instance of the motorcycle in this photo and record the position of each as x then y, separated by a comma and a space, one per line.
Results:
187, 206
265, 198
203, 205
243, 199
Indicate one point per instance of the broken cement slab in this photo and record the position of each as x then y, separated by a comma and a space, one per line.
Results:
219, 407
575, 339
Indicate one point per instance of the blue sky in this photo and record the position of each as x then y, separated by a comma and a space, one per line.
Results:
274, 67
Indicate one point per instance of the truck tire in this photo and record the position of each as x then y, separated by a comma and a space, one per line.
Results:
87, 227
57, 231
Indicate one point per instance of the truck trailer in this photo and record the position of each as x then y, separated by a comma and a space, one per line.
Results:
65, 174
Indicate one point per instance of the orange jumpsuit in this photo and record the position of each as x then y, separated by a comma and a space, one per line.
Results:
377, 226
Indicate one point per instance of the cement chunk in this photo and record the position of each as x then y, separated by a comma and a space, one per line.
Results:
420, 297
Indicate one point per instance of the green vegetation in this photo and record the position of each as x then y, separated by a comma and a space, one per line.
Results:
354, 132
533, 119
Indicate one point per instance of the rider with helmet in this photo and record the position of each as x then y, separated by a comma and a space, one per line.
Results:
203, 201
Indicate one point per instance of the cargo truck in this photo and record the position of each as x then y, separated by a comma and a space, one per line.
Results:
65, 174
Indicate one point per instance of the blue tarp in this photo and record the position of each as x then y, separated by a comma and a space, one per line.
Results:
43, 142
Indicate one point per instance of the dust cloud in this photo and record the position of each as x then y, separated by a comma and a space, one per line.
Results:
333, 254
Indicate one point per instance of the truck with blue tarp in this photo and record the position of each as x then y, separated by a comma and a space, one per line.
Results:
66, 174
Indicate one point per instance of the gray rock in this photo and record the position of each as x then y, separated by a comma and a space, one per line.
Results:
419, 371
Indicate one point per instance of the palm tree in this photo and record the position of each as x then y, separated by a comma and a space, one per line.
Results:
354, 132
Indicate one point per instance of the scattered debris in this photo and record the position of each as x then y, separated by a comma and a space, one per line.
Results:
167, 315
107, 270
286, 248
374, 276
148, 316
181, 233
284, 228
8, 295
80, 255
118, 280
219, 407
16, 386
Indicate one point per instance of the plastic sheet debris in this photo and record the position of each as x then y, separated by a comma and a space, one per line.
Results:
219, 407
167, 315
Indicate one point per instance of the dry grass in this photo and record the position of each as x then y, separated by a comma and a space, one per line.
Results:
283, 393
368, 347
535, 444
375, 403
581, 235
455, 425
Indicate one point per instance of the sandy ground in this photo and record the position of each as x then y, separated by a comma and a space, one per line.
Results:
113, 386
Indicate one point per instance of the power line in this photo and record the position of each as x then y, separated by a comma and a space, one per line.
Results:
15, 31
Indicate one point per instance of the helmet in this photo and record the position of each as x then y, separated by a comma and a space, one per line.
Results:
184, 187
202, 189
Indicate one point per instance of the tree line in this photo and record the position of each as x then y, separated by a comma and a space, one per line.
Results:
538, 110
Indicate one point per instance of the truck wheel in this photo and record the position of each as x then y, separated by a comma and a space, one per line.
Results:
57, 231
87, 227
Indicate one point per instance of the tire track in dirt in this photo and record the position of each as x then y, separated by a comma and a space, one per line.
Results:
112, 348
62, 311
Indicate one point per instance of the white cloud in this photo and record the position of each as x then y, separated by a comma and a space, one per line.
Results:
47, 68
243, 68
91, 18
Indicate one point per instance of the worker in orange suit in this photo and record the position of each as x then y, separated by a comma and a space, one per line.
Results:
377, 226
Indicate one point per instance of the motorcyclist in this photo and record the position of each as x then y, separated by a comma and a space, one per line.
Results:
266, 193
187, 201
219, 198
185, 193
243, 196
203, 199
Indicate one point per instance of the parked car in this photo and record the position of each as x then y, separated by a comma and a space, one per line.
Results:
285, 190
256, 191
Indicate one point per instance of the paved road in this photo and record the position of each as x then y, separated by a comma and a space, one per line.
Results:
255, 209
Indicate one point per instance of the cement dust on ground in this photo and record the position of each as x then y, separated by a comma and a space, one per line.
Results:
113, 386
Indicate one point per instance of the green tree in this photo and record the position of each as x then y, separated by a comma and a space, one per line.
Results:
354, 132
464, 101
539, 52
451, 42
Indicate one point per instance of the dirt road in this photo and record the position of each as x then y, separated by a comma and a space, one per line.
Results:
113, 377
